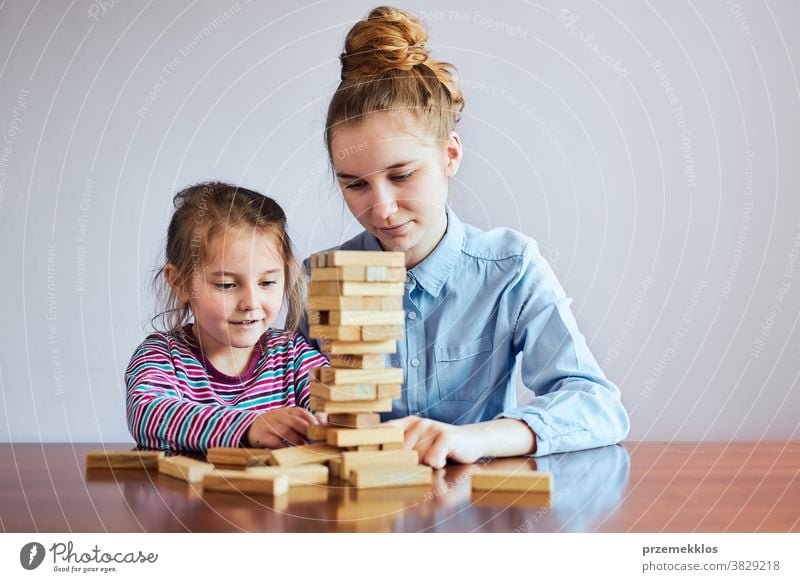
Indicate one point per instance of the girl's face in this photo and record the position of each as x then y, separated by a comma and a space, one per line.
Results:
237, 294
393, 175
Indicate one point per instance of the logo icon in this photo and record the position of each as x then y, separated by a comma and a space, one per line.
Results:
31, 555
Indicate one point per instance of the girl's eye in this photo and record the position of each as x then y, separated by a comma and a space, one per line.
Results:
402, 177
268, 283
223, 286
354, 186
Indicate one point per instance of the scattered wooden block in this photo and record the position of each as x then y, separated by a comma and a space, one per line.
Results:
364, 420
519, 481
355, 333
303, 454
354, 303
346, 258
298, 475
340, 376
365, 274
123, 459
352, 288
351, 437
239, 457
350, 406
344, 392
336, 347
317, 432
357, 460
362, 362
244, 482
365, 477
184, 468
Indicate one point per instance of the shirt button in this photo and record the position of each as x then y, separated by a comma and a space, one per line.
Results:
412, 315
395, 363
415, 362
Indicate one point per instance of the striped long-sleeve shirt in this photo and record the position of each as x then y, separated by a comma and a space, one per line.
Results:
177, 400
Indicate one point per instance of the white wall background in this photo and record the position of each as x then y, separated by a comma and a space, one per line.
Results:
651, 148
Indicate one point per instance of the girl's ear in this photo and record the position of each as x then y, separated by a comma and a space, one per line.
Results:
454, 153
173, 280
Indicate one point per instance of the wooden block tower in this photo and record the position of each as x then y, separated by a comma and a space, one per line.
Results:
355, 309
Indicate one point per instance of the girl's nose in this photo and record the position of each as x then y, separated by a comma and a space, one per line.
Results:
384, 203
248, 300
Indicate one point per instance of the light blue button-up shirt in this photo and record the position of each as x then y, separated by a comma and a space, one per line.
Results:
478, 306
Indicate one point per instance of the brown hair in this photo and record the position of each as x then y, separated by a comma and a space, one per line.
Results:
206, 211
386, 67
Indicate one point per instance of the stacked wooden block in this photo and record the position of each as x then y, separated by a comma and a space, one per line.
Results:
355, 309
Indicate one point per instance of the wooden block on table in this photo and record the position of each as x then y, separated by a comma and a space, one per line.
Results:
519, 481
351, 288
362, 362
355, 333
346, 258
351, 437
346, 392
354, 303
336, 347
184, 468
391, 476
340, 376
350, 406
123, 459
317, 432
303, 454
356, 460
298, 475
244, 482
361, 273
240, 457
364, 420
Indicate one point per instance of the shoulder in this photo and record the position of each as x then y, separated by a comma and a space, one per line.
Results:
161, 343
499, 244
290, 343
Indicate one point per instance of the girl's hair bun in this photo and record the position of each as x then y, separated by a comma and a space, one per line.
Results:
388, 39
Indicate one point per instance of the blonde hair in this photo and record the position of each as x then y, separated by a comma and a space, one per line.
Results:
386, 67
204, 212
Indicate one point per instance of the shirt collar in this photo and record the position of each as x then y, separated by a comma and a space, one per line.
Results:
434, 270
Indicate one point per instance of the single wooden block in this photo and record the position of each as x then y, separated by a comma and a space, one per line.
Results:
377, 273
303, 454
340, 347
392, 446
346, 258
362, 362
391, 476
352, 288
239, 457
365, 317
335, 466
356, 333
351, 437
298, 475
393, 391
356, 460
123, 459
244, 482
366, 448
344, 392
318, 260
184, 468
350, 406
341, 376
364, 420
356, 303
520, 481
317, 432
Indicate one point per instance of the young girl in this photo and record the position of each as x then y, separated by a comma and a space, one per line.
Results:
474, 300
227, 378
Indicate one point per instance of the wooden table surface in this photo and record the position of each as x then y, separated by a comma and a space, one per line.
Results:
634, 487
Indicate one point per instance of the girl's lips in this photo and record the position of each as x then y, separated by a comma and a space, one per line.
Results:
247, 322
395, 230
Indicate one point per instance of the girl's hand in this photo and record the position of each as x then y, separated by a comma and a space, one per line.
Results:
438, 441
280, 427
